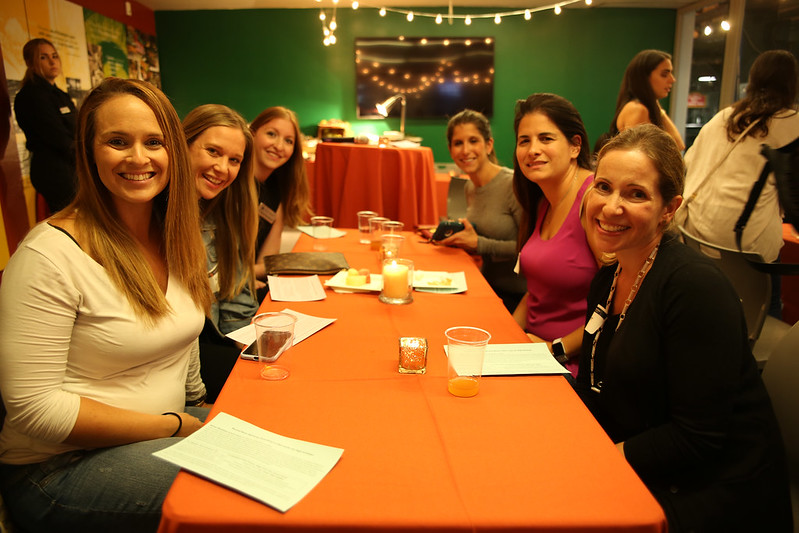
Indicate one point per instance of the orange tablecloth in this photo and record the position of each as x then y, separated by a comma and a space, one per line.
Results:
524, 454
398, 183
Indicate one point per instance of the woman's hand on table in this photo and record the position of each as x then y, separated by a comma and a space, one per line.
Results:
465, 239
534, 338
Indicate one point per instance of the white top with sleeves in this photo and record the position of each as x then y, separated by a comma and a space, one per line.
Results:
721, 200
66, 332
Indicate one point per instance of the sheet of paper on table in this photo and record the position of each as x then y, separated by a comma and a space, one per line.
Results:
295, 288
306, 326
334, 233
519, 359
276, 470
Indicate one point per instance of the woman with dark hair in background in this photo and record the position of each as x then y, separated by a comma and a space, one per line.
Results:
492, 207
551, 174
648, 79
665, 366
283, 195
767, 115
46, 115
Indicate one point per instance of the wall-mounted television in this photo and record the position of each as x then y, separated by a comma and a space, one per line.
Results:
439, 76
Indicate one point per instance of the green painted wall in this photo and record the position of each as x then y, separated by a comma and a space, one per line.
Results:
252, 59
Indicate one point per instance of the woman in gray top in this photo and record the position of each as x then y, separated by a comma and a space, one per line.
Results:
491, 226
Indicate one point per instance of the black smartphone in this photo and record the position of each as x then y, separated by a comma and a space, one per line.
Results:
446, 229
250, 353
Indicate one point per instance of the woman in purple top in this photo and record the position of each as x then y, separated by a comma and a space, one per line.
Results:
551, 174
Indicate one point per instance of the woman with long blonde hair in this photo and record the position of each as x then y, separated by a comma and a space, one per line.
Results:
220, 149
101, 307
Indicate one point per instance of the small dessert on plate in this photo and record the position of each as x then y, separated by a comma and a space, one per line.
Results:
358, 278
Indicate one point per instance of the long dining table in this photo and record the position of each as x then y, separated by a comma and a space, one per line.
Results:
523, 455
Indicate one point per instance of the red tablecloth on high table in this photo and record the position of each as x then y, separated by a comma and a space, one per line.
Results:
398, 183
524, 454
790, 284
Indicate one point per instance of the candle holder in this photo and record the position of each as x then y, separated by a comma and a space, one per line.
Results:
397, 281
412, 355
390, 246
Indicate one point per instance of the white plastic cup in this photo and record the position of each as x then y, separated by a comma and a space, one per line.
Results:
465, 353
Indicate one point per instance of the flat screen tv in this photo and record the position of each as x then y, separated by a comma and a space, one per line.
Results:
438, 76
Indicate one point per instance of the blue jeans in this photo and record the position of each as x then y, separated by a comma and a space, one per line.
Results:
119, 489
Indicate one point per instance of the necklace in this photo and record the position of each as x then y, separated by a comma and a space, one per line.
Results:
597, 386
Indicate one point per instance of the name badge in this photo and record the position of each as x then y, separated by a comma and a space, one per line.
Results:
65, 110
596, 321
266, 213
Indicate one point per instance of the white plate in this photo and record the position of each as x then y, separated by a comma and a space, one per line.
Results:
445, 282
339, 283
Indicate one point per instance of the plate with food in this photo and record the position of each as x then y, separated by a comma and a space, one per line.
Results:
445, 282
355, 280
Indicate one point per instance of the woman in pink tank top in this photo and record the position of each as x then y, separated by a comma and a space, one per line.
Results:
551, 175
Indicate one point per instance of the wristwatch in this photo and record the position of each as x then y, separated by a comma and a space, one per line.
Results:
559, 351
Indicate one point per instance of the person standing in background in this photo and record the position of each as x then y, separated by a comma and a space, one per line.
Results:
766, 115
46, 115
647, 80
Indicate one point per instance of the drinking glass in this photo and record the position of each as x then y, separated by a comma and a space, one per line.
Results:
375, 231
274, 334
322, 227
363, 224
465, 351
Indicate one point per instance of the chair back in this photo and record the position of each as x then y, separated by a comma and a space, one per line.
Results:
753, 287
456, 198
781, 377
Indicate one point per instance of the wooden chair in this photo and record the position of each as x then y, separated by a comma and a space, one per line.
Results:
754, 290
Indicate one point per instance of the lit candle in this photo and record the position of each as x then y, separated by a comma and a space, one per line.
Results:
395, 280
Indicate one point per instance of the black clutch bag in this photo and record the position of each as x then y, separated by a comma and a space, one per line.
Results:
305, 263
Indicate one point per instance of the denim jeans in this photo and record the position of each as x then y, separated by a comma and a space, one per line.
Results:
119, 489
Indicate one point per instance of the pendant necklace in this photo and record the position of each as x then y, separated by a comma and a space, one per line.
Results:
597, 386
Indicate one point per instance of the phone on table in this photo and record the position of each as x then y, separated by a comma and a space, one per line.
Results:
250, 353
446, 229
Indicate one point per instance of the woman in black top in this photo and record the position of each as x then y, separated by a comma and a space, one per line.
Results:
665, 365
46, 115
283, 196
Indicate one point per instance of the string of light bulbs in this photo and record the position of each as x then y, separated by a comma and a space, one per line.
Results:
329, 28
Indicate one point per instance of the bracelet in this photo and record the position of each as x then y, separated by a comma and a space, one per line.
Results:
197, 402
180, 421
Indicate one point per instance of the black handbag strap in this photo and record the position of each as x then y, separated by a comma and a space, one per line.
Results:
783, 269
